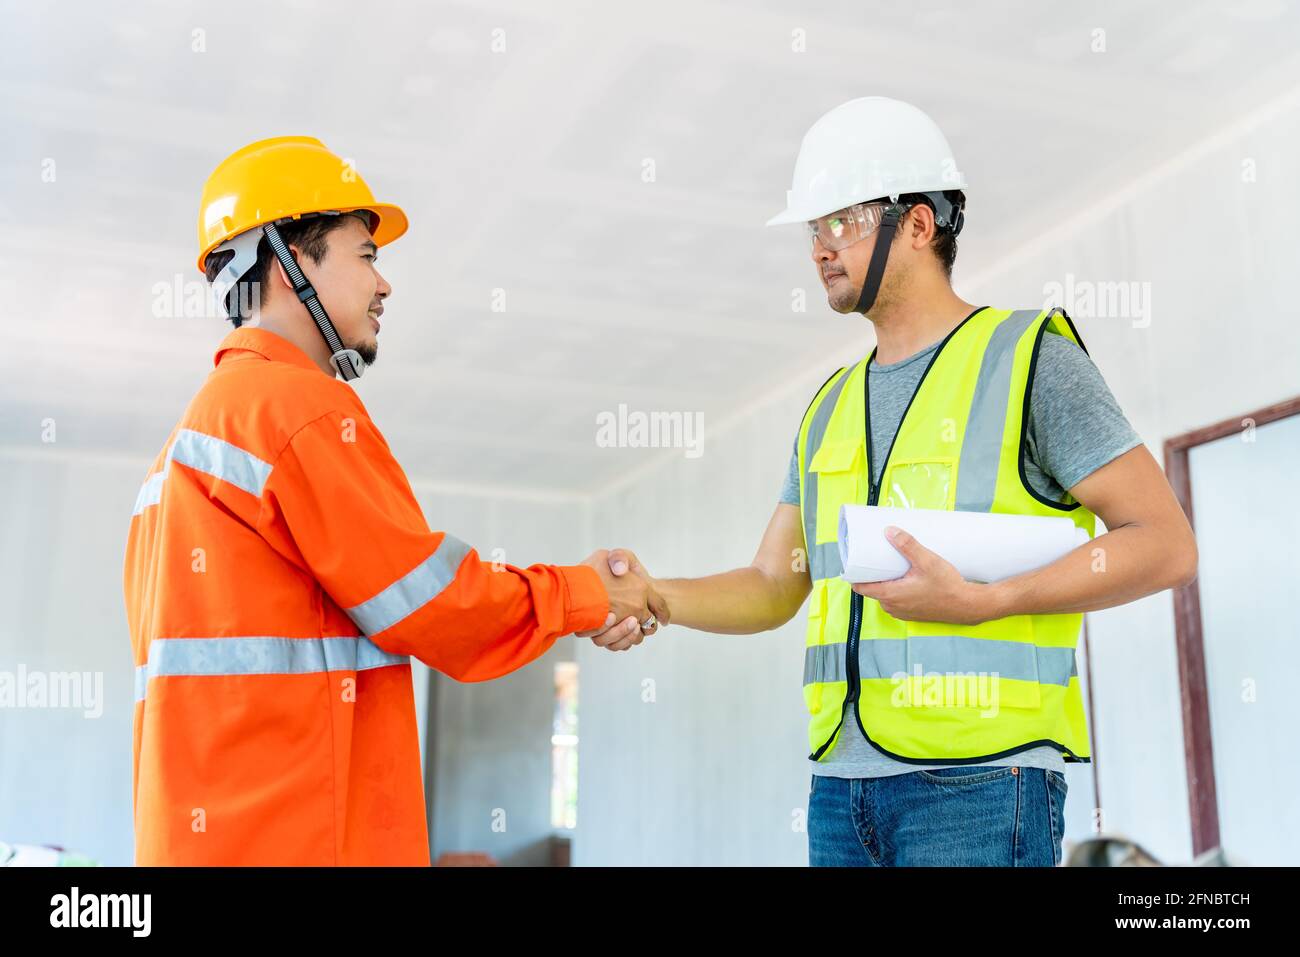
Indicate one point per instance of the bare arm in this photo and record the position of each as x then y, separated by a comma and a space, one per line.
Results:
744, 601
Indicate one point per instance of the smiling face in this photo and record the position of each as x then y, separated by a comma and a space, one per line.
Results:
349, 287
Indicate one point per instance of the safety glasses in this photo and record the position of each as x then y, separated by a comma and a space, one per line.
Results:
842, 229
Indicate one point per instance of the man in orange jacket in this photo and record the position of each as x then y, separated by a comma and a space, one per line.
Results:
279, 572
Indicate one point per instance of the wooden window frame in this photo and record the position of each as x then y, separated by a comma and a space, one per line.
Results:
1198, 750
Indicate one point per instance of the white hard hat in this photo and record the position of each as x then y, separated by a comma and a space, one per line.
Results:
867, 149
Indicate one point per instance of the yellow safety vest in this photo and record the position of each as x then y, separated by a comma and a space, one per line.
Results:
934, 691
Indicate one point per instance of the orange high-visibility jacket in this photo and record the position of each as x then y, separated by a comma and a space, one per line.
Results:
279, 574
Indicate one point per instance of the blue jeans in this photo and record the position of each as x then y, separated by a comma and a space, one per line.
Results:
975, 816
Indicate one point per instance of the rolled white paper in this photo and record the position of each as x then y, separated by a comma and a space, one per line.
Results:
983, 546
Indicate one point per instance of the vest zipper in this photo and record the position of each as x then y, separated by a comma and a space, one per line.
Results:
855, 620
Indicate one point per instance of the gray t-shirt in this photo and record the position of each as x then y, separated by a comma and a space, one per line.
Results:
1075, 427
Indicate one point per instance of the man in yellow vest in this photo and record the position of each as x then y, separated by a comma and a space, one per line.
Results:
942, 711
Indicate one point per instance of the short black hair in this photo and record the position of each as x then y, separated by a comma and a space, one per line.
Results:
310, 234
944, 243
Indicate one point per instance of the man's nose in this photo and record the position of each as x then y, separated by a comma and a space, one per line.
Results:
820, 253
383, 290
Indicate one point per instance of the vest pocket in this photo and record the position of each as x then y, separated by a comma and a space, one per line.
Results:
921, 484
1016, 693
1011, 658
840, 469
1018, 663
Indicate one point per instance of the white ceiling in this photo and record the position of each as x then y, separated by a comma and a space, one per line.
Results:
522, 170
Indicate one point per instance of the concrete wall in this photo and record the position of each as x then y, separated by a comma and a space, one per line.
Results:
491, 786
693, 748
65, 775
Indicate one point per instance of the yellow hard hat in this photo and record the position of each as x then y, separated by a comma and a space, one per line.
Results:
286, 176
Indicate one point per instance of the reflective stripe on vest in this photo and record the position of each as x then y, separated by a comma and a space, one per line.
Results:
978, 475
942, 654
824, 559
959, 446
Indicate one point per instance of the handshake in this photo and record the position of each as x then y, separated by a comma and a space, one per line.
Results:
636, 609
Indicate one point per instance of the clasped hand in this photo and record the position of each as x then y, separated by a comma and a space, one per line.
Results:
633, 598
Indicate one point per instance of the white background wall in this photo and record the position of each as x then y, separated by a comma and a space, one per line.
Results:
493, 739
65, 778
693, 747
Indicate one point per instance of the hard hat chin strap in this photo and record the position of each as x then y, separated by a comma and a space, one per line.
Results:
879, 255
347, 362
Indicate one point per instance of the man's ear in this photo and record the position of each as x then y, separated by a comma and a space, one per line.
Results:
919, 225
284, 276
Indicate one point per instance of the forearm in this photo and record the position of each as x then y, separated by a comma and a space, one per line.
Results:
1124, 564
744, 601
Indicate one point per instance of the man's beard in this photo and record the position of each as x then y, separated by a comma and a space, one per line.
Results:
368, 350
845, 296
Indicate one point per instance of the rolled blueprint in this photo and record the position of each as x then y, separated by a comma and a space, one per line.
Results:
983, 546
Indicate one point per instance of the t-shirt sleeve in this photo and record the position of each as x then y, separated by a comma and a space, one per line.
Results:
1075, 424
